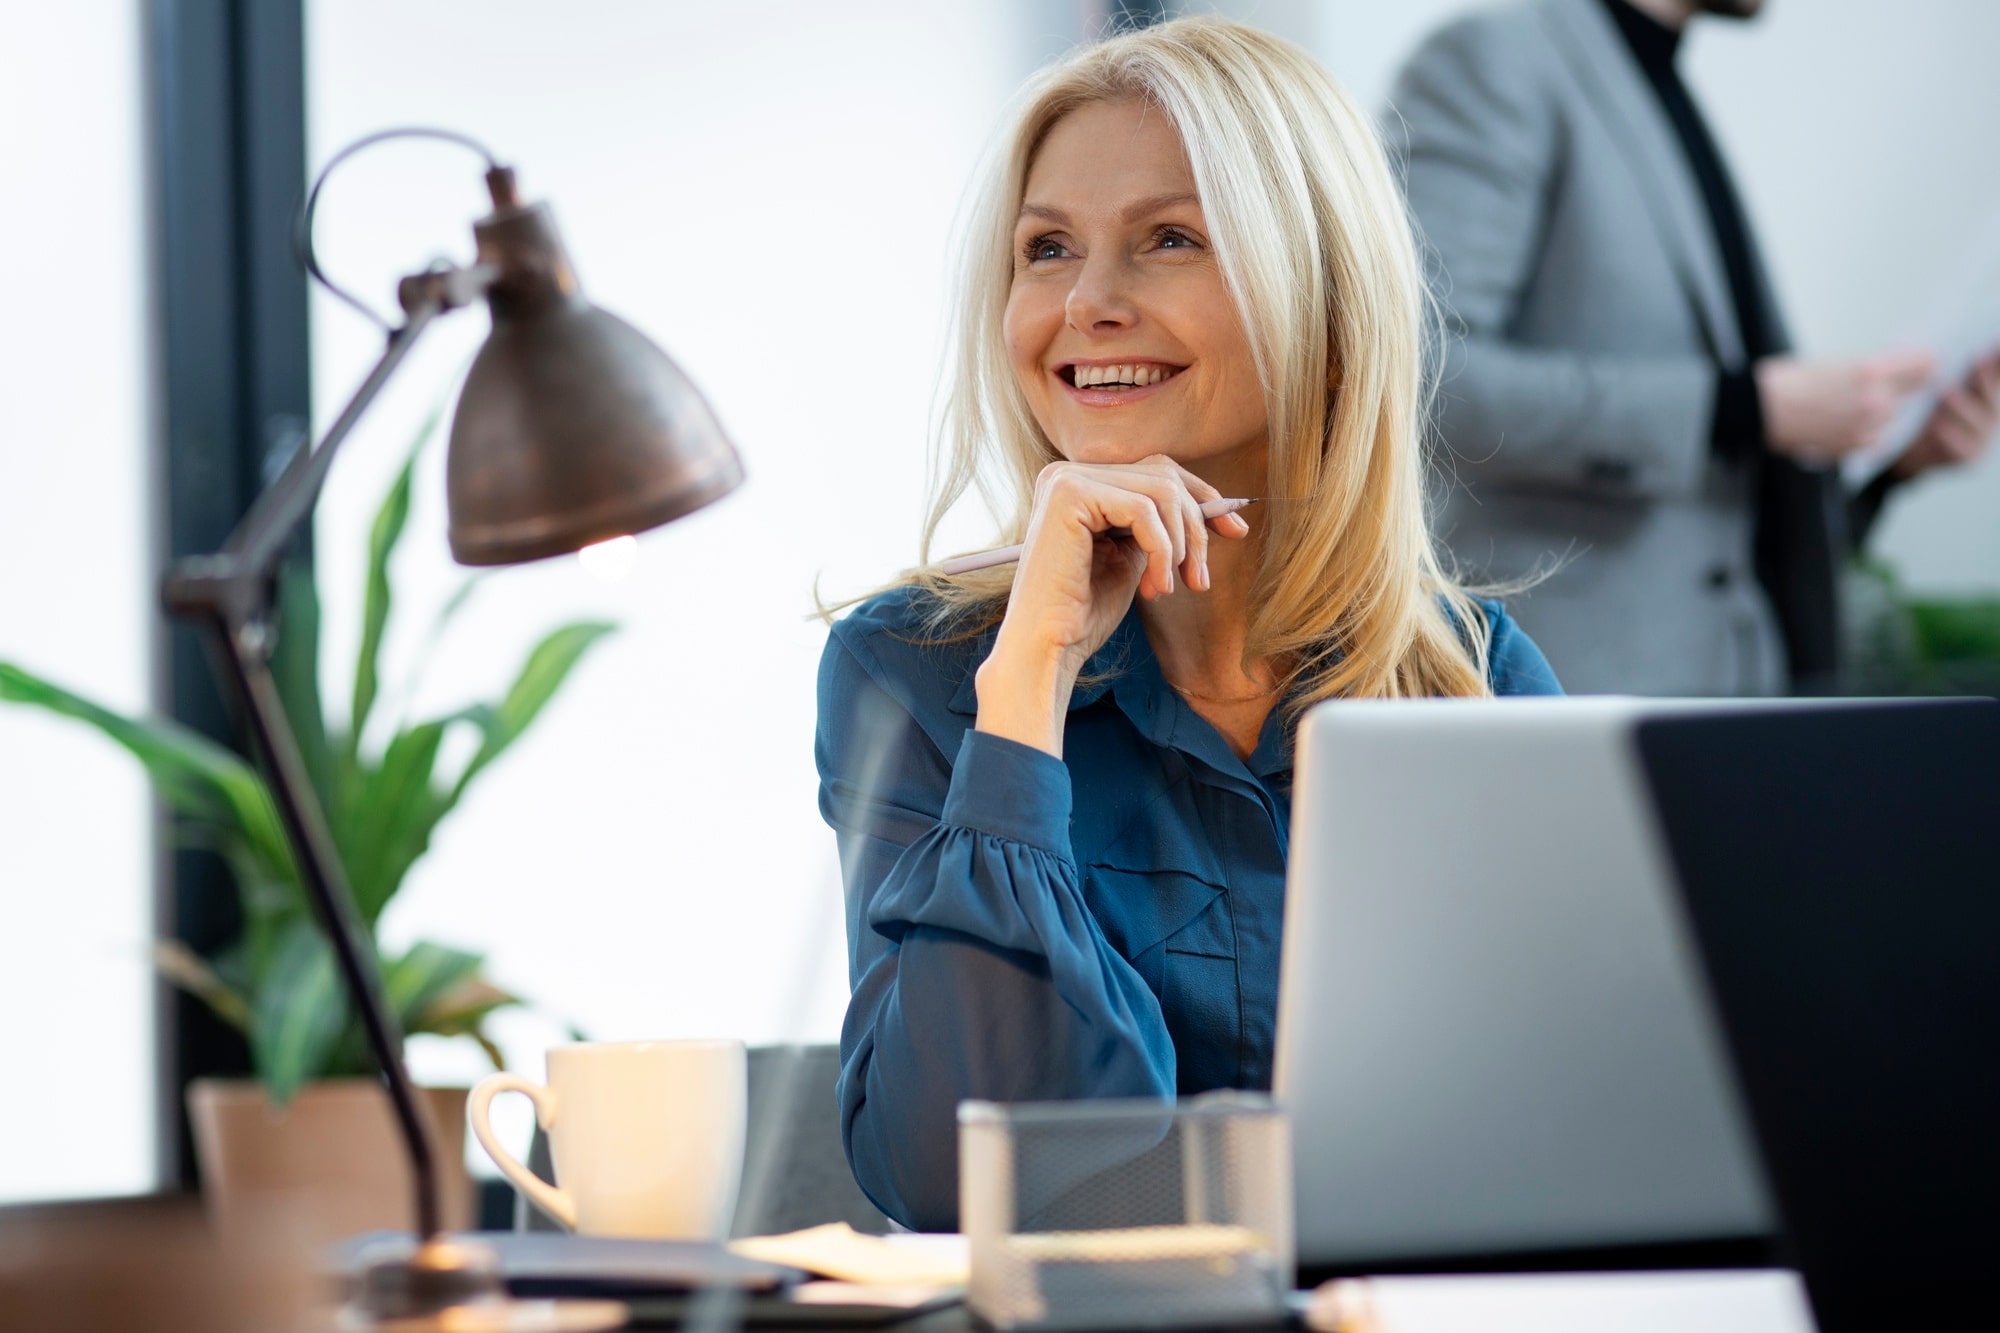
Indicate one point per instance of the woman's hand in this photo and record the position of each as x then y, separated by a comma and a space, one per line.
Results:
1072, 588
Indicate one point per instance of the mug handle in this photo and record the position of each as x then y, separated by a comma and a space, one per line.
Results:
478, 1108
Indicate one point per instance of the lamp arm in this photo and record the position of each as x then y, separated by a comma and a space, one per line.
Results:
231, 594
259, 541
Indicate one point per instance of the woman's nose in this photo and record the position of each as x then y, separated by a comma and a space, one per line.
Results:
1101, 299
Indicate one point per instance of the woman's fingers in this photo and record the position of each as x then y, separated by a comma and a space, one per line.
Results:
1098, 504
1174, 497
1151, 533
1191, 493
1164, 492
1196, 565
1179, 494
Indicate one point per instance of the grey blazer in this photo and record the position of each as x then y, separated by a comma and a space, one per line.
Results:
1588, 316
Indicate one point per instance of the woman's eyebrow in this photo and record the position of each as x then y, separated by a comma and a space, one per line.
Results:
1133, 212
1159, 203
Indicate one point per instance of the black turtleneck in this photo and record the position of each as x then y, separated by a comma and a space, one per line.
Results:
1738, 430
1802, 532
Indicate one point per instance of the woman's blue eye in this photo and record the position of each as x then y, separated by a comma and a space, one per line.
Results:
1178, 239
1044, 248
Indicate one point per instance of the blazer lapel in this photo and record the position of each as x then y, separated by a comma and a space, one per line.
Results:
1595, 52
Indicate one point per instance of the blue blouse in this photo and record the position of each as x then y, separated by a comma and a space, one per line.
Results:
1026, 928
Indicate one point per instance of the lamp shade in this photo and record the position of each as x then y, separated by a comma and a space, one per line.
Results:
573, 427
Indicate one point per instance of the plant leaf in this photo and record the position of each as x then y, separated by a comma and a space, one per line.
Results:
1954, 629
298, 1012
547, 667
192, 774
460, 1010
185, 968
415, 981
493, 1052
388, 823
383, 535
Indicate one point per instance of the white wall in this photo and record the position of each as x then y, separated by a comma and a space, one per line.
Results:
768, 192
76, 892
1861, 135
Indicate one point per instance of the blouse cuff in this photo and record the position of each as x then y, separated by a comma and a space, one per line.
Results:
1010, 790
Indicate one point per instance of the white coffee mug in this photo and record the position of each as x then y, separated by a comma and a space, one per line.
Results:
647, 1136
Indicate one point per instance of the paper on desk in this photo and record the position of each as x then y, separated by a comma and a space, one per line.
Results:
837, 1250
1963, 325
1137, 1244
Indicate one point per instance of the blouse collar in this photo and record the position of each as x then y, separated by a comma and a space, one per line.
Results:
1126, 669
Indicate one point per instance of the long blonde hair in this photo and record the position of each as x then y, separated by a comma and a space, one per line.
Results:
1316, 247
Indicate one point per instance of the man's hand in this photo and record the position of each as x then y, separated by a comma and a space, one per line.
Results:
1818, 412
1961, 427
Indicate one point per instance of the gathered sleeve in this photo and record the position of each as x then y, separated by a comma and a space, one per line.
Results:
975, 968
1514, 662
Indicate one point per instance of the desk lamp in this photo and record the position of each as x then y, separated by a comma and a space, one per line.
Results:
572, 429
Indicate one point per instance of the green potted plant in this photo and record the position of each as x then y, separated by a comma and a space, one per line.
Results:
314, 1120
1906, 643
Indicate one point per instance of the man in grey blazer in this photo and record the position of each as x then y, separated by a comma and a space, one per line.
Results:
1618, 401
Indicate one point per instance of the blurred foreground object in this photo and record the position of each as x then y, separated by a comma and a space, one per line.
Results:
1344, 1305
1127, 1214
151, 1265
572, 429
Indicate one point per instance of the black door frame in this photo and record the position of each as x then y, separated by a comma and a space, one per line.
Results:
226, 146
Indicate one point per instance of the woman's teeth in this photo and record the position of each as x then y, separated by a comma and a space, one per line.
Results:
1121, 377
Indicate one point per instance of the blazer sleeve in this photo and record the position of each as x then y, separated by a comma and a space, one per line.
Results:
976, 969
1483, 145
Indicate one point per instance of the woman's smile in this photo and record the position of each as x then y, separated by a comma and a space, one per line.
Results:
1106, 382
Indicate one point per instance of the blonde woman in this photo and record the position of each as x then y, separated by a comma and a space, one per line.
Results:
1062, 789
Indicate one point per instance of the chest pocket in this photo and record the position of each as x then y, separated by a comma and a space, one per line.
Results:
1176, 931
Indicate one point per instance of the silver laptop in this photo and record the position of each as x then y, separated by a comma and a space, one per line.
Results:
1492, 1035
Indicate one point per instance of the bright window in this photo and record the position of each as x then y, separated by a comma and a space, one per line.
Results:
76, 604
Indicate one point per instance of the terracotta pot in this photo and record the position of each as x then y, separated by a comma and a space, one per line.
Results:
333, 1155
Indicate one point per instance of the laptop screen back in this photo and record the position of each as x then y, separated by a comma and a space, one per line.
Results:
1842, 874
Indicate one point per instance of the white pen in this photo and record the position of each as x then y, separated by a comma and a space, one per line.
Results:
1007, 555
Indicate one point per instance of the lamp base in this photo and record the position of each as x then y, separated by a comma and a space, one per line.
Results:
454, 1286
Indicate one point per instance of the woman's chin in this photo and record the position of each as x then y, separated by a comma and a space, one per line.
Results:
1106, 453
1103, 452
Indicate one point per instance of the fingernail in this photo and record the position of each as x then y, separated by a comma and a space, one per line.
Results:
1205, 583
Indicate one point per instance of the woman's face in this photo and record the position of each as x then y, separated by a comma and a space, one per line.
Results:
1121, 331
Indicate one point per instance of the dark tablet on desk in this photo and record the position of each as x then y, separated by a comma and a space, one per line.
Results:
778, 1311
554, 1264
1841, 871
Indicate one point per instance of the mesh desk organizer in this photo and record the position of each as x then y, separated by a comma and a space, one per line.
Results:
1128, 1214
